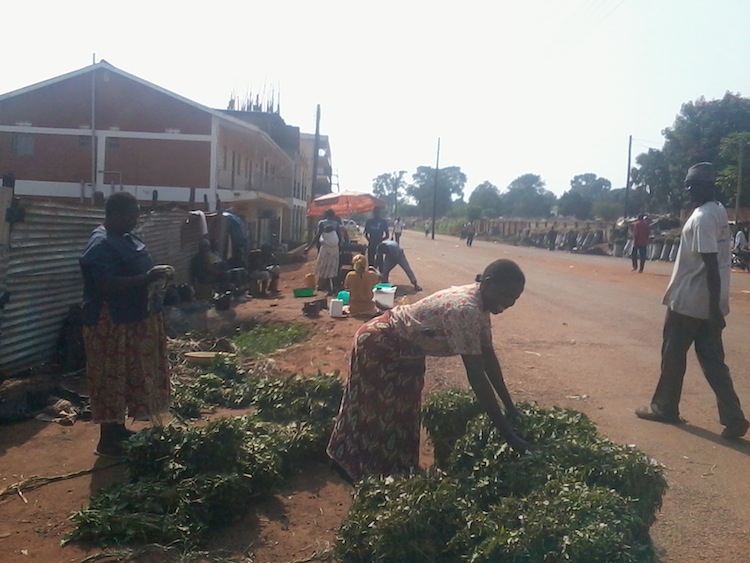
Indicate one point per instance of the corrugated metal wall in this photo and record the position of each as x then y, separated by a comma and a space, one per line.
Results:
39, 271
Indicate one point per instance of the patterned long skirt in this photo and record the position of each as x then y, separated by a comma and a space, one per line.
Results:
127, 369
327, 263
377, 427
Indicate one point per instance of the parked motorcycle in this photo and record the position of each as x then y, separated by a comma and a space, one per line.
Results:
741, 260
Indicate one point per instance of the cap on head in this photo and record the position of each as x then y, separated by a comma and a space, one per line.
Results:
701, 173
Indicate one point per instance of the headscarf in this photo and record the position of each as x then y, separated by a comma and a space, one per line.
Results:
359, 262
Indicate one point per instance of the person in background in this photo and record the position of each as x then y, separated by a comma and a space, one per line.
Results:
697, 300
360, 282
376, 231
552, 238
470, 232
398, 228
124, 334
263, 271
327, 262
377, 429
208, 272
641, 238
329, 218
427, 229
388, 255
740, 238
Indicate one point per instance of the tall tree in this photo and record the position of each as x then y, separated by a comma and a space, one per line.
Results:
696, 136
575, 204
526, 196
450, 186
486, 196
729, 151
590, 186
651, 181
388, 186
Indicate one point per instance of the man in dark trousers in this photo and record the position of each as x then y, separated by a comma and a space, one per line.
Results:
641, 238
697, 301
376, 231
388, 255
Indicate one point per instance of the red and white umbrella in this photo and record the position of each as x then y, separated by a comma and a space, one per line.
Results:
344, 204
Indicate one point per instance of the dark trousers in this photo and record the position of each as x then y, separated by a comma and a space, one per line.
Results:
680, 332
393, 259
372, 245
639, 252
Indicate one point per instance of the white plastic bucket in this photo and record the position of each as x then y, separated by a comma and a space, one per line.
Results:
386, 296
336, 307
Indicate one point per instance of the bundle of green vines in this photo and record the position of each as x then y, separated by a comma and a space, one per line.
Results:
576, 496
185, 480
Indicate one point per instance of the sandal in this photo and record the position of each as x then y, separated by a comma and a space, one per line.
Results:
649, 413
734, 431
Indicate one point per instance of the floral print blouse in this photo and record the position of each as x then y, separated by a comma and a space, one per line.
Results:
446, 323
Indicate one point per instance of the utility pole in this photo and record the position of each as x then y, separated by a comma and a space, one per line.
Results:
395, 197
627, 181
316, 150
739, 181
434, 193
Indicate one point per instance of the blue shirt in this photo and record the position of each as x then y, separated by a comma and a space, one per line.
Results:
376, 230
107, 257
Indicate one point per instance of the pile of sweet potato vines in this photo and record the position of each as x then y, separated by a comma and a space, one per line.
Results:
576, 497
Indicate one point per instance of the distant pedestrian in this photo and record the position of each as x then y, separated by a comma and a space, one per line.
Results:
697, 301
470, 232
376, 231
388, 255
641, 238
398, 228
427, 229
552, 238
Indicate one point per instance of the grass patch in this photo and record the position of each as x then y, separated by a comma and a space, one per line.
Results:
266, 338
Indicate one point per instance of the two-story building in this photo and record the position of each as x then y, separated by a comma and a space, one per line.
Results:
98, 129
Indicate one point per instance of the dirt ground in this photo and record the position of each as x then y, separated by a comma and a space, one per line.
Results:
584, 335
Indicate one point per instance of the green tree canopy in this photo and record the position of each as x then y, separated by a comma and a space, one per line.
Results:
486, 196
590, 186
574, 204
450, 186
729, 151
389, 186
526, 196
695, 136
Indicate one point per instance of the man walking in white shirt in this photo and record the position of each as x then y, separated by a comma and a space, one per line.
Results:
697, 301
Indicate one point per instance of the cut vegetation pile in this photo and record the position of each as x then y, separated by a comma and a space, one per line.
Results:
576, 496
186, 479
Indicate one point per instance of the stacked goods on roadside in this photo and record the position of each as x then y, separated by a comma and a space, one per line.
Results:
577, 496
185, 480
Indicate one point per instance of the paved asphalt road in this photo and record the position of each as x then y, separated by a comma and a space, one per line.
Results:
586, 334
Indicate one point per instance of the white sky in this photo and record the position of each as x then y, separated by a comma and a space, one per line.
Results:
550, 87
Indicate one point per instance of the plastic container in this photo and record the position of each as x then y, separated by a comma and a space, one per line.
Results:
310, 281
336, 308
304, 292
385, 296
344, 296
383, 286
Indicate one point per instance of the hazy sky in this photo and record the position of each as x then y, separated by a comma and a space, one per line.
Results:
550, 87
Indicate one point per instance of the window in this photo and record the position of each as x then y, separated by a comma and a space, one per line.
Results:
113, 142
23, 144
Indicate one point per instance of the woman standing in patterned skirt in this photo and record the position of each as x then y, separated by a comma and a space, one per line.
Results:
377, 428
123, 332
